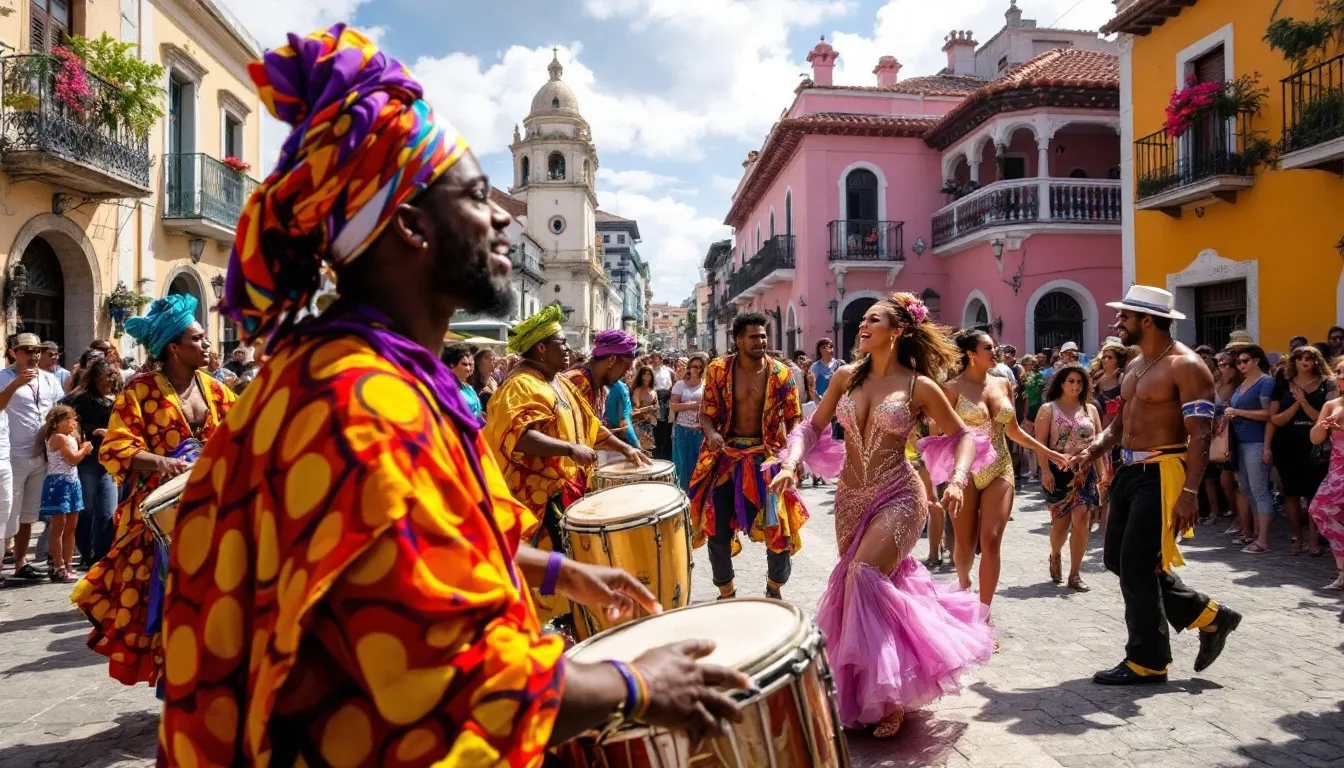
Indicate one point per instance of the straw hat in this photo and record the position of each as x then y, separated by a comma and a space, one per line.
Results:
1149, 301
1238, 339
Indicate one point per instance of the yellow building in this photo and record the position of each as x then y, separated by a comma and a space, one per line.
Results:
1240, 243
89, 200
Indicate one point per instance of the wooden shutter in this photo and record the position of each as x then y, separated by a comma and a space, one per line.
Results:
1211, 67
37, 27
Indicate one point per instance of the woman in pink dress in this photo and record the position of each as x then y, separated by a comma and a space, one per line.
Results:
895, 641
1327, 508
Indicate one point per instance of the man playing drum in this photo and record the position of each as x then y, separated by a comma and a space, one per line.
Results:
749, 407
151, 419
1166, 411
613, 354
347, 582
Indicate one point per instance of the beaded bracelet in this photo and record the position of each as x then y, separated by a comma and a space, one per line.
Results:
636, 691
552, 574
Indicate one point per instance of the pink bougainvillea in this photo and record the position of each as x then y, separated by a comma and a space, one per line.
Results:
1189, 103
237, 164
71, 83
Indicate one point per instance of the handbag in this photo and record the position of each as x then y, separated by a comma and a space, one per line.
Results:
1320, 454
1220, 445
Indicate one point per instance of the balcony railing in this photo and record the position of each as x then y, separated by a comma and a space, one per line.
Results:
867, 240
81, 145
776, 254
1313, 106
1212, 147
199, 187
526, 261
1029, 201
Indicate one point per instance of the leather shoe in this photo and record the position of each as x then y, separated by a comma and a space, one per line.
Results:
1211, 643
1121, 674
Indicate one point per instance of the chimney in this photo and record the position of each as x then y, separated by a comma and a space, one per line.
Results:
822, 58
959, 45
887, 71
1013, 14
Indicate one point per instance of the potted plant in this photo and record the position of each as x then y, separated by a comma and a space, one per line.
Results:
124, 303
134, 100
237, 165
1199, 100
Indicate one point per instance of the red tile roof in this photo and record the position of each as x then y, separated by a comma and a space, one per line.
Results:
788, 134
1143, 15
1060, 77
931, 85
508, 202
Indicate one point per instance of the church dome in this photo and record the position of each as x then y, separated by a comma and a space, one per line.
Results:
555, 98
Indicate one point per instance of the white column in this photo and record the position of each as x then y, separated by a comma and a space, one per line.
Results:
1043, 174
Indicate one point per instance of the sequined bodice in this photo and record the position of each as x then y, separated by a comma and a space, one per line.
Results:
976, 418
891, 416
875, 461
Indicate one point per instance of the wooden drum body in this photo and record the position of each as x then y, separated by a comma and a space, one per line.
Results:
791, 722
641, 528
624, 473
159, 509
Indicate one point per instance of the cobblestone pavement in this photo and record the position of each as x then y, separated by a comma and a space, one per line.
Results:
1276, 697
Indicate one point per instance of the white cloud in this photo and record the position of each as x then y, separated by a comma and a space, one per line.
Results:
913, 31
636, 181
675, 237
725, 184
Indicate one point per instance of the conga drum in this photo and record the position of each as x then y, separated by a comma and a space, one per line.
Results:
624, 473
159, 509
791, 720
641, 528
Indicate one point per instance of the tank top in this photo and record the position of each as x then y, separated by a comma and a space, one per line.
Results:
57, 466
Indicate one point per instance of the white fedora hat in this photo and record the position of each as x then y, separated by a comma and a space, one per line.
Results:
1149, 301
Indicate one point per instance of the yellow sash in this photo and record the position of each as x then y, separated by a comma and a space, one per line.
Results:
1171, 471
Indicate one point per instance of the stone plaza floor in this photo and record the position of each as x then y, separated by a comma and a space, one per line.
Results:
1276, 697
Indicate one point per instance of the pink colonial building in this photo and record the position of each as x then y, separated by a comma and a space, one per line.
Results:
991, 188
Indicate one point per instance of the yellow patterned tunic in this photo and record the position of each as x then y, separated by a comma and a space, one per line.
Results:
342, 590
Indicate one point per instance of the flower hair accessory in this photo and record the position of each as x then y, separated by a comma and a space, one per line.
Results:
917, 311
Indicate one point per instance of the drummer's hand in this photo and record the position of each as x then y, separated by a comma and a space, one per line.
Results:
637, 457
713, 441
784, 481
582, 455
682, 692
171, 468
596, 586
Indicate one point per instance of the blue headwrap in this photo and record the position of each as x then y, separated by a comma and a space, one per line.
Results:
167, 319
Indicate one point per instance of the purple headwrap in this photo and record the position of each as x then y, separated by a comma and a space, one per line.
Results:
617, 343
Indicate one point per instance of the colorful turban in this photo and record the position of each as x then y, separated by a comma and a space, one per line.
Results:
613, 343
363, 143
535, 329
168, 318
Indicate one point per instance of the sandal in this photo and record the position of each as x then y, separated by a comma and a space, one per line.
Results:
1056, 568
1296, 548
1242, 541
1233, 528
934, 561
889, 726
1315, 550
728, 596
1255, 549
1077, 584
1336, 586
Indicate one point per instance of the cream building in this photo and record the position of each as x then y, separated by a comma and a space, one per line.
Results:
93, 203
554, 162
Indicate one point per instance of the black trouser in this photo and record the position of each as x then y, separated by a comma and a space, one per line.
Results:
662, 431
777, 564
1153, 597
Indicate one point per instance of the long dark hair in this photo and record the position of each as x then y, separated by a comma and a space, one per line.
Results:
923, 347
639, 377
477, 377
1255, 353
1055, 389
967, 341
88, 378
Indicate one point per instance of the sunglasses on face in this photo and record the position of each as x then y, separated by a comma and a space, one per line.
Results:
1243, 361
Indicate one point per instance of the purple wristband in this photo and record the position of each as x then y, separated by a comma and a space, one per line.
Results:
552, 574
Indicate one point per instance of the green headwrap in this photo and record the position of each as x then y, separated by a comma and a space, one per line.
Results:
537, 328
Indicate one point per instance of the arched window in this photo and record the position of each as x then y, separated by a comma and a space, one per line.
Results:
1078, 173
788, 212
527, 171
861, 195
772, 224
555, 103
1059, 318
586, 176
555, 167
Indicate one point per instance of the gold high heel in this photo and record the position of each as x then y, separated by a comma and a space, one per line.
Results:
889, 726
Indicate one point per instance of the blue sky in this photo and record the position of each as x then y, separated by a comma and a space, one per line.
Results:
677, 91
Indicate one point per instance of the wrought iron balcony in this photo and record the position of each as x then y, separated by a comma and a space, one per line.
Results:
772, 263
1313, 117
879, 243
1212, 161
1041, 204
203, 197
73, 143
526, 262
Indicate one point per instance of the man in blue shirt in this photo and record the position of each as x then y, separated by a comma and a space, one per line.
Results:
825, 366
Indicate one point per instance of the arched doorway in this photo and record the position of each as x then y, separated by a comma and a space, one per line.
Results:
976, 314
849, 324
183, 280
1058, 318
42, 308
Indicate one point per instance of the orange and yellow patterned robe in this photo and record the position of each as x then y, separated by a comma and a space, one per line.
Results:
115, 593
716, 468
342, 589
582, 381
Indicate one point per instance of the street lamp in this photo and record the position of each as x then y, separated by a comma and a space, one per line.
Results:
217, 285
998, 254
197, 246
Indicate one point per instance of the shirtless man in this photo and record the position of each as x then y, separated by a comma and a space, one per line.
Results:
1164, 422
750, 405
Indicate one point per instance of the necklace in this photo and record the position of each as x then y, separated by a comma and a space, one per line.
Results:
1139, 375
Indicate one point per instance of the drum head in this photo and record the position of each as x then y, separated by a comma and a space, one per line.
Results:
746, 633
167, 492
625, 469
624, 502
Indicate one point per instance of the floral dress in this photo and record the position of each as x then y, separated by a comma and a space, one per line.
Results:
1327, 509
